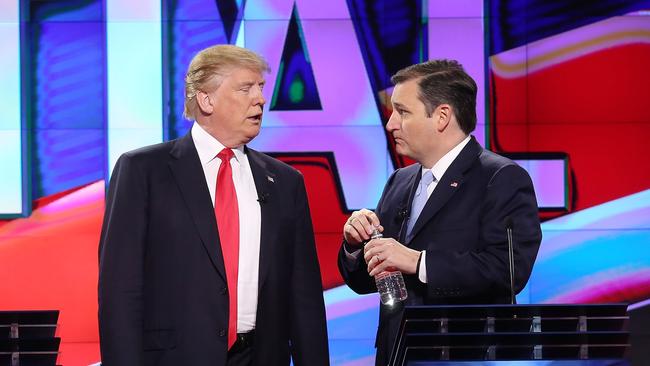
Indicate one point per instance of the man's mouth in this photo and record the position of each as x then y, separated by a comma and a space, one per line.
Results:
256, 117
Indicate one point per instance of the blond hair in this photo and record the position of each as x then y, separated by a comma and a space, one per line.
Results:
209, 66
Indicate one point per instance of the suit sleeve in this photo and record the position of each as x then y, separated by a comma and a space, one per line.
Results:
483, 271
121, 255
308, 331
358, 279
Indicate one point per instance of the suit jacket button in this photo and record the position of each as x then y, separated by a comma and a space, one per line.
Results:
223, 290
222, 333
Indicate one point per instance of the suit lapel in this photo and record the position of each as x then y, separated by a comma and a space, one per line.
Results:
407, 200
188, 173
450, 182
265, 186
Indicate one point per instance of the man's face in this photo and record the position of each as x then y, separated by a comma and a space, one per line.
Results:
414, 133
238, 104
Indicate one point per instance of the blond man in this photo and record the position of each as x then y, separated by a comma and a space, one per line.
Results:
207, 253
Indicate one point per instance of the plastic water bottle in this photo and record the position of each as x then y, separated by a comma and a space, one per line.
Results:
390, 284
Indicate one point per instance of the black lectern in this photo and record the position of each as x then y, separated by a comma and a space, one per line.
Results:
27, 338
511, 332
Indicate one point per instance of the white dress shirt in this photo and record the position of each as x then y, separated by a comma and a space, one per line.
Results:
438, 170
250, 220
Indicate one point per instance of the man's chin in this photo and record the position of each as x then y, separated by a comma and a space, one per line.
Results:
405, 153
402, 151
251, 134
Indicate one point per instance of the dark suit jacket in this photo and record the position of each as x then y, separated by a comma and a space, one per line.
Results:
163, 298
462, 230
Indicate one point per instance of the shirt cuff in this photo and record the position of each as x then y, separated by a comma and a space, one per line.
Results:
422, 271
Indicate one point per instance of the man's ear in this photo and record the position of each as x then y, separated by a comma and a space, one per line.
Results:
204, 101
442, 116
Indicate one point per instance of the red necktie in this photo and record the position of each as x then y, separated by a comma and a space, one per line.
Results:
227, 213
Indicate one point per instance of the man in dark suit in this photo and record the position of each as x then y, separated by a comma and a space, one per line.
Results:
207, 253
443, 219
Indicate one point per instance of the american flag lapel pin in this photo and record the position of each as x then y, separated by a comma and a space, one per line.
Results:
454, 184
270, 179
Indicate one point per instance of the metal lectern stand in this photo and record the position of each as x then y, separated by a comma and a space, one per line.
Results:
511, 332
27, 338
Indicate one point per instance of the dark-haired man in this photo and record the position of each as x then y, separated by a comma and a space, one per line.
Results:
442, 218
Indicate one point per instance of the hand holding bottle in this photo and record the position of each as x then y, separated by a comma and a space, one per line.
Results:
359, 227
389, 254
390, 284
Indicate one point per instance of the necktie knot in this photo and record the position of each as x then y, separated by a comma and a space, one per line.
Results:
419, 201
225, 155
427, 178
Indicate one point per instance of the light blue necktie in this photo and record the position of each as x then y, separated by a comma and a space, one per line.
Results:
419, 200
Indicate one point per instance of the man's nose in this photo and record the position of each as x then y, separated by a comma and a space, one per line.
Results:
259, 99
393, 123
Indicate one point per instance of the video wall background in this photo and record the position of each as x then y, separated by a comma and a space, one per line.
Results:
563, 89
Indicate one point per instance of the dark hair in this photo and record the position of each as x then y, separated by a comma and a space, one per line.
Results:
444, 81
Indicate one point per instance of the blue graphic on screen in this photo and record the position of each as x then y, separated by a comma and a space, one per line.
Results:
194, 25
392, 35
230, 12
67, 95
295, 86
514, 23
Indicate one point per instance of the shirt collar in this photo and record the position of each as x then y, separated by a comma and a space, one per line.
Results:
443, 164
208, 147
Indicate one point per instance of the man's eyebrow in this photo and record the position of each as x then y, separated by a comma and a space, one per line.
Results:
251, 83
399, 105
